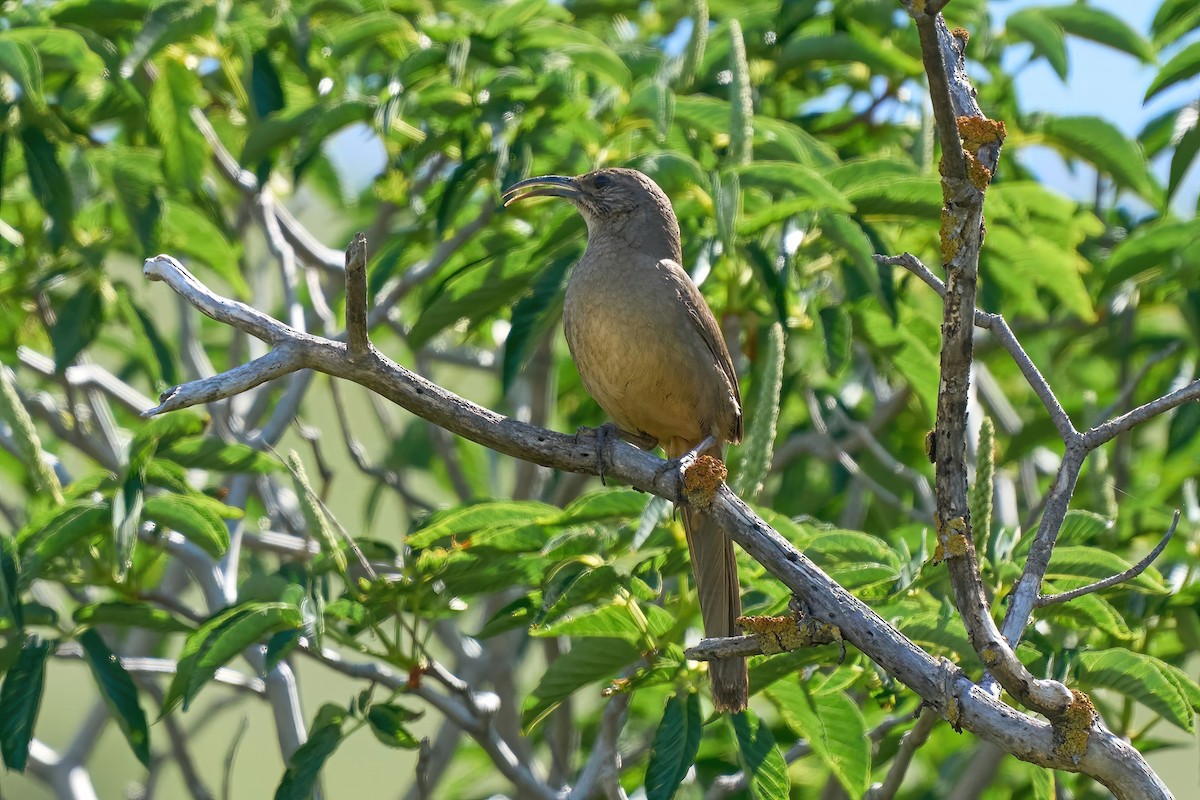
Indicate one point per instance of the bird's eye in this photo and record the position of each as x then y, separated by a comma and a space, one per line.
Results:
601, 181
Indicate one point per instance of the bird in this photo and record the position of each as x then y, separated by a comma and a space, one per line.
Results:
650, 352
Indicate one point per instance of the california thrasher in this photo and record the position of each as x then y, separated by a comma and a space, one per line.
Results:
650, 352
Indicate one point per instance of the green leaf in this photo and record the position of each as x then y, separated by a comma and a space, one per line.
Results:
760, 758
69, 525
1153, 252
49, 182
311, 125
185, 152
794, 177
20, 61
834, 728
198, 517
1089, 22
187, 232
10, 581
1100, 143
756, 451
837, 328
461, 522
387, 723
589, 54
1089, 612
218, 640
1097, 563
1141, 677
306, 763
865, 48
315, 519
855, 547
119, 693
266, 89
78, 324
898, 198
532, 317
1032, 25
172, 21
588, 661
1173, 20
476, 291
209, 452
128, 614
1183, 158
621, 619
676, 743
20, 697
1183, 66
605, 504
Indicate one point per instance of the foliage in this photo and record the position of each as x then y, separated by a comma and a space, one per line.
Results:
794, 142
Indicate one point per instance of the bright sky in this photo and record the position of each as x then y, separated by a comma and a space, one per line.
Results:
1105, 83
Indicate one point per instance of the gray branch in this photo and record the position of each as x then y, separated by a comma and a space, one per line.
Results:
1108, 759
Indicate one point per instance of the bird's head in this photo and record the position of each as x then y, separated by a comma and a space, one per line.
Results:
614, 199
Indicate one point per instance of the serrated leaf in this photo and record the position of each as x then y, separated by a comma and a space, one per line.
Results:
834, 728
1141, 677
832, 546
1089, 22
758, 447
794, 177
187, 232
602, 505
127, 614
387, 723
761, 761
1089, 612
19, 60
306, 763
20, 697
588, 661
185, 152
198, 517
1103, 145
621, 619
1183, 158
70, 524
1097, 563
466, 520
318, 525
119, 693
532, 317
49, 182
1183, 66
219, 639
209, 452
1032, 25
79, 321
676, 743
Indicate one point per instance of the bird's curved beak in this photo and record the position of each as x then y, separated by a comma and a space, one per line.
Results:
545, 186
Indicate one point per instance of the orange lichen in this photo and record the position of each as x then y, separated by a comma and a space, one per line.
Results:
976, 132
979, 175
781, 634
1073, 729
951, 539
702, 480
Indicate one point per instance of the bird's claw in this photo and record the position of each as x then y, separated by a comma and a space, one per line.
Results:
602, 435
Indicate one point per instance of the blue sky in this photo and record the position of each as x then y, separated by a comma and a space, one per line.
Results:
1105, 83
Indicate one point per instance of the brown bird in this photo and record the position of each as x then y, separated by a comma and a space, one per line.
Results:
650, 352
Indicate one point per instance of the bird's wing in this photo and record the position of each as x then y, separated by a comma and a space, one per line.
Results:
706, 324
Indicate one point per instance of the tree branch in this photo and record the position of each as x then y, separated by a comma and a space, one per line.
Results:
1108, 758
1127, 575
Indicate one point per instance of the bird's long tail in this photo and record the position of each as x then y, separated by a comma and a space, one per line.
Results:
715, 568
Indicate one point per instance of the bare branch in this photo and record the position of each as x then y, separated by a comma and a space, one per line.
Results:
1127, 575
1108, 758
1003, 333
912, 741
1110, 430
604, 763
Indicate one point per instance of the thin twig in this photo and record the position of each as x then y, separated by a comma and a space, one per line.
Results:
1113, 580
227, 774
909, 744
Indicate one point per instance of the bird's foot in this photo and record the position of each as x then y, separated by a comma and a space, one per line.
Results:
603, 435
681, 465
